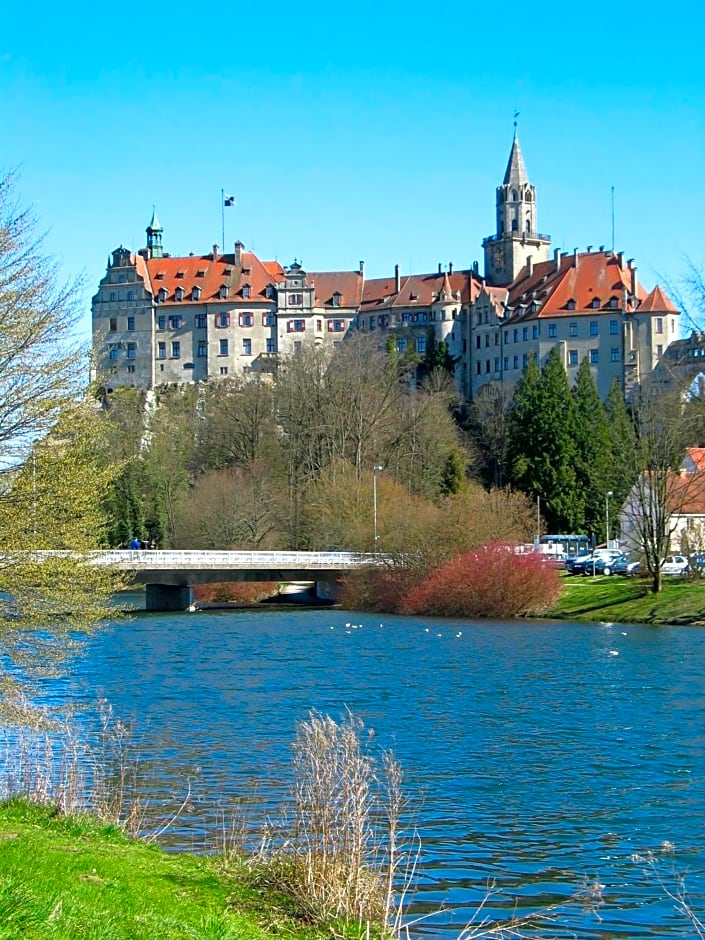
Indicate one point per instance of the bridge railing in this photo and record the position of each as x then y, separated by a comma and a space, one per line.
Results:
157, 558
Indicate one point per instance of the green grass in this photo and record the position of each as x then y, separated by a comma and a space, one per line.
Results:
64, 878
628, 600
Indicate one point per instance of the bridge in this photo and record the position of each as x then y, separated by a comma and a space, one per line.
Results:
170, 576
683, 361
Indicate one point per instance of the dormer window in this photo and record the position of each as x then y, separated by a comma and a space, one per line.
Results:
179, 294
246, 292
223, 291
269, 291
180, 273
595, 303
245, 270
196, 293
162, 295
613, 303
336, 299
160, 275
570, 305
200, 273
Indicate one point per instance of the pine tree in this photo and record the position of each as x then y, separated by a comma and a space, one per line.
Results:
593, 459
622, 435
542, 443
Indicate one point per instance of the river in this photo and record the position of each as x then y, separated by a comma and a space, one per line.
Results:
540, 756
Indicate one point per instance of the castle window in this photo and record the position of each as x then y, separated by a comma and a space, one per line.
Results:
570, 305
113, 295
130, 295
223, 347
176, 350
535, 331
594, 328
421, 345
223, 370
223, 291
515, 195
132, 350
401, 345
246, 291
525, 333
161, 350
659, 324
506, 363
222, 320
336, 326
175, 322
614, 327
515, 362
246, 319
613, 303
572, 357
161, 323
269, 291
478, 342
114, 353
515, 225
113, 325
614, 354
162, 295
202, 348
247, 346
573, 329
131, 367
196, 293
179, 293
595, 303
270, 346
552, 331
319, 326
516, 336
295, 300
336, 299
130, 324
268, 319
296, 326
200, 321
594, 356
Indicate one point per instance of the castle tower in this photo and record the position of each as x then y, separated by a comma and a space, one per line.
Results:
517, 237
154, 237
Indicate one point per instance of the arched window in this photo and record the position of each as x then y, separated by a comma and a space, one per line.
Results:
515, 195
515, 225
527, 195
528, 223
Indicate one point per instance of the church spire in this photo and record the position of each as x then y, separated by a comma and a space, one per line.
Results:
154, 236
517, 238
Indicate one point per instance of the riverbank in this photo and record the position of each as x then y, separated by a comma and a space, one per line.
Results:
628, 600
66, 877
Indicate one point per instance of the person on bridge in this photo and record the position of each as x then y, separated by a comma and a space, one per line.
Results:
135, 543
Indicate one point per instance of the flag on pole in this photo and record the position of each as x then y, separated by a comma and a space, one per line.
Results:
229, 201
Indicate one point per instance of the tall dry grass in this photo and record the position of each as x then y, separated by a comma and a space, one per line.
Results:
339, 853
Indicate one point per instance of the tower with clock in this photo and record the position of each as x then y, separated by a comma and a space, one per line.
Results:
517, 238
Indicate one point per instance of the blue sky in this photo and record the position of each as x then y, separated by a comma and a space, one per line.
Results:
371, 131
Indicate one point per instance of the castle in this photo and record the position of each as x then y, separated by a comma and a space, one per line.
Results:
159, 319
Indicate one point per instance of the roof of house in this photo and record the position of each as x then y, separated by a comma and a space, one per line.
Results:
348, 284
686, 493
210, 274
581, 283
697, 457
419, 290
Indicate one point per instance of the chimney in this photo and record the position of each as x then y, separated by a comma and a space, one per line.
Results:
620, 260
589, 249
238, 254
634, 279
557, 258
575, 257
450, 267
215, 252
602, 247
362, 267
440, 268
397, 279
476, 267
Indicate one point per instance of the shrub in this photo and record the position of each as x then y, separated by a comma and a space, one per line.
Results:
240, 592
492, 581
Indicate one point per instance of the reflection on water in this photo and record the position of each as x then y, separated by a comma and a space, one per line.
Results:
542, 757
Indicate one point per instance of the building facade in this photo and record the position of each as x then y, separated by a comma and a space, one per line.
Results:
159, 319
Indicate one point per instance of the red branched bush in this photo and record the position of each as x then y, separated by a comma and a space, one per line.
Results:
234, 592
491, 581
381, 589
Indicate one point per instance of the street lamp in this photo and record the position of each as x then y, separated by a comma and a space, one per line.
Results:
607, 517
375, 470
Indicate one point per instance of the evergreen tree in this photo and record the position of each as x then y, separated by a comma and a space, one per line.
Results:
541, 424
593, 459
623, 470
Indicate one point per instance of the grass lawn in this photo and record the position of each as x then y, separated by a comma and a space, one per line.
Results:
64, 878
628, 600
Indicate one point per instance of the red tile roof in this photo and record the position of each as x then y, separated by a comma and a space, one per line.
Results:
686, 494
419, 290
210, 274
346, 283
580, 278
697, 456
657, 302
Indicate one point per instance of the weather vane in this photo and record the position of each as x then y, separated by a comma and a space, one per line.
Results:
516, 115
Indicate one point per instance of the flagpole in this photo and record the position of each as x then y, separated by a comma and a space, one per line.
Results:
222, 221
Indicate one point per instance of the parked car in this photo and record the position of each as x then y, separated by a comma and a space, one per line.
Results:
628, 565
675, 566
574, 565
601, 562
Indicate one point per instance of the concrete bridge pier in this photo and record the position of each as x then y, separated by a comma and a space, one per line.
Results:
168, 597
328, 590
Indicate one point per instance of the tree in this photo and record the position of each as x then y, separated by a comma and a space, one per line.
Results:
593, 450
52, 481
541, 436
663, 430
622, 445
